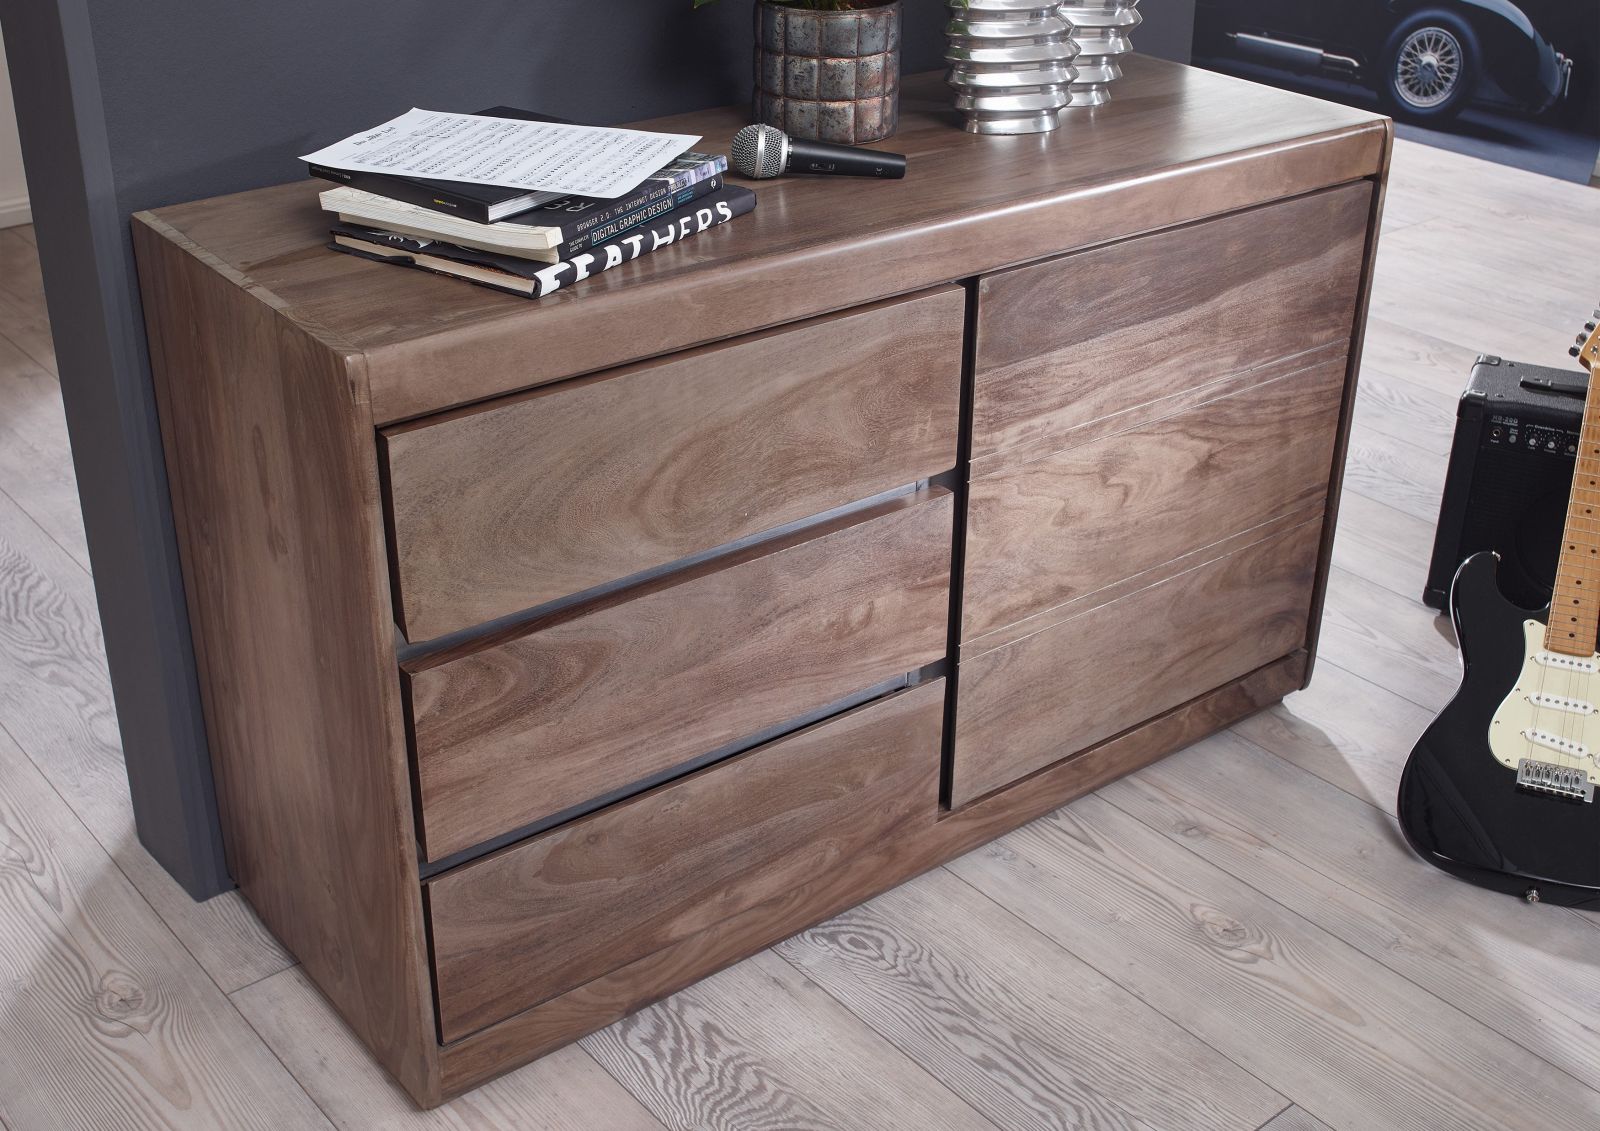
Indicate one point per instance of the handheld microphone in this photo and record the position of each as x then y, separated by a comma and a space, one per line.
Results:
766, 151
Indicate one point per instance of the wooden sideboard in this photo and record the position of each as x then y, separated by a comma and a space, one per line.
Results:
556, 654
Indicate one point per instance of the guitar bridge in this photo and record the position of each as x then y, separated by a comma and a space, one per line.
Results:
1554, 781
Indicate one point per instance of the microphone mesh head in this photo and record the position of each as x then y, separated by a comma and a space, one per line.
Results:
758, 151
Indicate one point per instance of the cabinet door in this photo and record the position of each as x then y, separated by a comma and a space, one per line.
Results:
1073, 340
1054, 693
1064, 528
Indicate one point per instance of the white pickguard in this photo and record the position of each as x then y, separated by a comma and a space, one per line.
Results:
1553, 713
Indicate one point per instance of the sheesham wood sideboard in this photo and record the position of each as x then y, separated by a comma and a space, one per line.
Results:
557, 654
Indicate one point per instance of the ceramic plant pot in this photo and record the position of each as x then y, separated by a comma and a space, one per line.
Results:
828, 76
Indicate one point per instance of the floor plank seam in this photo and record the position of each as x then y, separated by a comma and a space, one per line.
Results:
45, 366
1323, 658
1341, 941
112, 859
886, 1039
289, 1072
295, 965
1276, 1116
1399, 757
51, 538
1430, 708
1589, 918
1134, 993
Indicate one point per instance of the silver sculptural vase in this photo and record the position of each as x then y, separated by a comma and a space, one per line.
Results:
1102, 29
1010, 64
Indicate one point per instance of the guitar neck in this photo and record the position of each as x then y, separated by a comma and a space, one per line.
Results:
1575, 602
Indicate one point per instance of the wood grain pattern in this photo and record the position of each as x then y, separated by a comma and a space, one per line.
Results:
270, 418
600, 698
1358, 332
1503, 207
1330, 858
1159, 407
491, 1051
1053, 530
565, 1091
1167, 570
1360, 751
1302, 1011
760, 1048
35, 456
552, 913
1382, 545
1404, 409
1404, 476
1066, 341
56, 702
269, 450
976, 997
1051, 694
973, 204
105, 1020
549, 494
1374, 631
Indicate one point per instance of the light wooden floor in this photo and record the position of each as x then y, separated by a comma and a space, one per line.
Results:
1234, 938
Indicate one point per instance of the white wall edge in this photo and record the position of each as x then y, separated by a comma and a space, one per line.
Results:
14, 213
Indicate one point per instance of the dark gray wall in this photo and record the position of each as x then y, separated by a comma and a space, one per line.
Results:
131, 105
210, 98
1168, 29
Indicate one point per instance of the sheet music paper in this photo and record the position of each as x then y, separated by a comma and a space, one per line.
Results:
581, 160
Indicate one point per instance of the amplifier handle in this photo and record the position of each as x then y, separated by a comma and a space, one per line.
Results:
1576, 386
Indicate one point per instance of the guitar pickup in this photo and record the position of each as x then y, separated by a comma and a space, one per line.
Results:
1554, 781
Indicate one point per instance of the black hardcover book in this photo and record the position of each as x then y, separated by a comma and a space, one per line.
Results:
483, 203
532, 279
530, 236
578, 222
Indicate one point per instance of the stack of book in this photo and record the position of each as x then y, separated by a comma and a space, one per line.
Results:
528, 243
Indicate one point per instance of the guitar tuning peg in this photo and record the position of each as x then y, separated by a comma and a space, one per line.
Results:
1573, 351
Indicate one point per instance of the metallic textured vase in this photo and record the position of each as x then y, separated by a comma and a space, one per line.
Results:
1010, 64
828, 76
1102, 28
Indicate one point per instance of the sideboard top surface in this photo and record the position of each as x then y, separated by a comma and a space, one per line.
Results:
1175, 144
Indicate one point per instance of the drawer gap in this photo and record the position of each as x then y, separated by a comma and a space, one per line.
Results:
424, 654
431, 870
958, 545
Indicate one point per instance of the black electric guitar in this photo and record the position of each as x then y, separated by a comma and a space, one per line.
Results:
1500, 789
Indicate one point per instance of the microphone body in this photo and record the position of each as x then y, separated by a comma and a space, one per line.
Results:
766, 151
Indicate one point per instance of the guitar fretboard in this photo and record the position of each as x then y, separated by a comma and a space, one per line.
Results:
1575, 604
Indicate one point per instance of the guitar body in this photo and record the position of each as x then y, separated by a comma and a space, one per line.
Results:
1461, 805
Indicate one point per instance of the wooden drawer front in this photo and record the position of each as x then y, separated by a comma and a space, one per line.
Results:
601, 699
554, 912
1069, 341
540, 496
1047, 696
1051, 531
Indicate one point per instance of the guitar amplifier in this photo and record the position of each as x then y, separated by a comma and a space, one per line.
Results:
1510, 473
